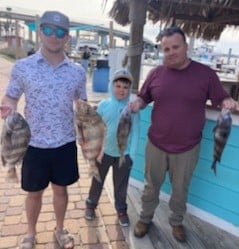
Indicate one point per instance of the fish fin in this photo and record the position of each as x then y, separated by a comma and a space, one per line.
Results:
8, 139
12, 175
82, 151
214, 167
94, 172
100, 156
3, 161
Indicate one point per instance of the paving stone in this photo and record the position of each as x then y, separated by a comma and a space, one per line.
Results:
46, 216
96, 246
50, 225
16, 229
72, 225
47, 208
41, 227
13, 219
110, 220
89, 235
45, 237
4, 199
120, 244
8, 242
114, 232
107, 209
104, 198
3, 207
85, 182
73, 198
14, 211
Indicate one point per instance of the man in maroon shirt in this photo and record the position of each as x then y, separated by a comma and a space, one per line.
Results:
179, 90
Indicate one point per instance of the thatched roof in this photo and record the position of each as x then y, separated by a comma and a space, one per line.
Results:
204, 19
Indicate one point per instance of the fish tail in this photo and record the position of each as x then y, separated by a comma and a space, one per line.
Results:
121, 160
214, 167
3, 161
94, 172
12, 175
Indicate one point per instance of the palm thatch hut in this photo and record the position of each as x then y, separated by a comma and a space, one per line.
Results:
205, 19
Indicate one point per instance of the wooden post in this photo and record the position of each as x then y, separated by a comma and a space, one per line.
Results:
137, 16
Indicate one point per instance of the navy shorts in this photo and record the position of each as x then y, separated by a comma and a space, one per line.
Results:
57, 165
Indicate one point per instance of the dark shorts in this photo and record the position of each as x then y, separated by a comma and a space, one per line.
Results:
41, 166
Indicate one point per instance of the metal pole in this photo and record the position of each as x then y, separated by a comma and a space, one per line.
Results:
111, 40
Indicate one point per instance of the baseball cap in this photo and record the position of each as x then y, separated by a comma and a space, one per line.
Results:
55, 18
123, 73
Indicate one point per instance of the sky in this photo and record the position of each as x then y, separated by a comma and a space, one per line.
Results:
95, 11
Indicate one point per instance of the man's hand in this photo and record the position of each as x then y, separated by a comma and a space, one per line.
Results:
136, 105
5, 111
230, 104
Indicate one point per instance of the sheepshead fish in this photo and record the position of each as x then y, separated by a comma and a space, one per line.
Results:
123, 131
15, 138
221, 134
90, 130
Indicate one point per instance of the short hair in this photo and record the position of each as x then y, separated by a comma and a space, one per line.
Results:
123, 80
170, 31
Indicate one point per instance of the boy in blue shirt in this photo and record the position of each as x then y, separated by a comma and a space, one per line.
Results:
110, 109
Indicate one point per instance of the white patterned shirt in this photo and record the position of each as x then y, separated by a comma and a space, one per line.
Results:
49, 95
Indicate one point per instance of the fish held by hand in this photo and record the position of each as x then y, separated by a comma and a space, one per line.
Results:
221, 133
123, 131
15, 138
90, 130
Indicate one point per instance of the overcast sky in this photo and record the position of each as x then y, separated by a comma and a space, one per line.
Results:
94, 11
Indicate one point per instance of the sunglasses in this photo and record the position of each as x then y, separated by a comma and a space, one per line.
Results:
59, 32
170, 31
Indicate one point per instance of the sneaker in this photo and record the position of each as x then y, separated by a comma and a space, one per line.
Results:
123, 219
89, 213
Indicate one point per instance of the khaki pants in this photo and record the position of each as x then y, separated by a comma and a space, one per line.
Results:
180, 167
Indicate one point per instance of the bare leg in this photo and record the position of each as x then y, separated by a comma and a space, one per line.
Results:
60, 201
33, 208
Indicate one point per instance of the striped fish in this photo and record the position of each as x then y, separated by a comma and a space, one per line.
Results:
123, 131
15, 138
221, 133
90, 130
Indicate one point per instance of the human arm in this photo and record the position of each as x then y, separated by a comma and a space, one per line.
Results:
145, 96
8, 105
219, 97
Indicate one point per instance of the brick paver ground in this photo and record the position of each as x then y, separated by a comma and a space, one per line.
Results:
102, 233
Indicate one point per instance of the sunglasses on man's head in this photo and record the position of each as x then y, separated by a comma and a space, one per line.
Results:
170, 31
59, 32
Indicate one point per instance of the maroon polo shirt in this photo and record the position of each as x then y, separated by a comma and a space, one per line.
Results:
179, 96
